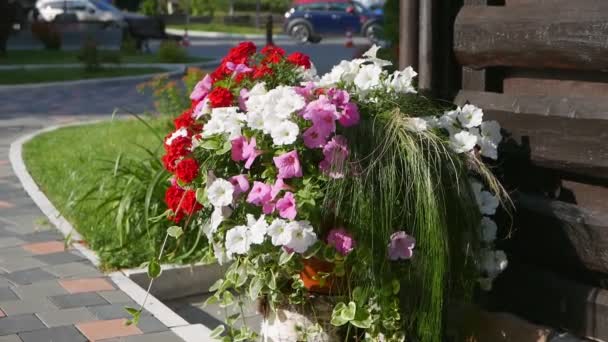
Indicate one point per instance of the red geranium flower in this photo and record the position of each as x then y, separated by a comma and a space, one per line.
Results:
220, 72
220, 97
184, 120
186, 170
181, 202
298, 58
261, 71
272, 53
241, 53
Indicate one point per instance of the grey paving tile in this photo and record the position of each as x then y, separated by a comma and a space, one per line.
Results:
150, 324
166, 336
42, 236
13, 252
16, 263
116, 297
65, 317
10, 242
5, 282
7, 294
7, 233
27, 306
10, 338
29, 276
78, 300
112, 311
40, 289
21, 323
73, 269
58, 258
63, 334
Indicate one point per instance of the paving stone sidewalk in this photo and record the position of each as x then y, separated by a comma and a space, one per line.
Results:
50, 293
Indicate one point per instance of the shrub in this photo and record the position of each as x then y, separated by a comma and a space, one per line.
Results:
170, 96
48, 34
171, 52
89, 55
149, 7
128, 45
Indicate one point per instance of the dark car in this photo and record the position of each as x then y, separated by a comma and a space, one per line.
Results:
311, 18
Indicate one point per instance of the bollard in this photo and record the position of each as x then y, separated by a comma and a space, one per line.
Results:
269, 30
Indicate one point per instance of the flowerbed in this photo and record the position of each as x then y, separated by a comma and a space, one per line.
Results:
350, 186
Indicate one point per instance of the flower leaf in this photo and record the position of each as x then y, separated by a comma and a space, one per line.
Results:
285, 257
217, 331
255, 287
175, 231
154, 269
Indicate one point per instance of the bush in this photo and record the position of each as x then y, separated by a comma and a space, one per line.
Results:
89, 56
170, 97
171, 52
201, 7
48, 34
128, 45
149, 7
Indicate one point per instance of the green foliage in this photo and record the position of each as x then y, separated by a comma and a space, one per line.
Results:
128, 45
48, 34
170, 51
170, 97
200, 7
149, 7
89, 56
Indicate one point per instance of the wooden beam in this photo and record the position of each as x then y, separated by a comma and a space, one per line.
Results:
567, 145
408, 33
573, 37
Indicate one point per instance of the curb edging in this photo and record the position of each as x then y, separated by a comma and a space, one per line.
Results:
211, 34
188, 332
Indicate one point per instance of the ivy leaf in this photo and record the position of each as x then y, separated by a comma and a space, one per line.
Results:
285, 257
225, 148
227, 299
211, 300
337, 319
359, 295
135, 314
219, 330
272, 282
201, 196
218, 283
363, 319
255, 287
396, 286
210, 144
154, 269
349, 312
175, 231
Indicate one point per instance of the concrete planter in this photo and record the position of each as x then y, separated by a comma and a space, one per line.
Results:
177, 281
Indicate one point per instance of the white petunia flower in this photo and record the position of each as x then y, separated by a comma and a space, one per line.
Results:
488, 229
182, 132
463, 141
220, 254
285, 133
285, 101
302, 236
449, 122
237, 240
308, 75
218, 216
279, 232
487, 148
417, 125
493, 262
371, 56
213, 127
431, 121
401, 81
257, 228
255, 120
368, 77
225, 120
491, 131
470, 116
220, 193
486, 201
345, 71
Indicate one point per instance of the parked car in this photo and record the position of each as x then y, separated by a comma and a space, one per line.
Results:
311, 18
84, 10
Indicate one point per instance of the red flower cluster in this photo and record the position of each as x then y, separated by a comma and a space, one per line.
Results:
220, 97
186, 170
298, 58
181, 202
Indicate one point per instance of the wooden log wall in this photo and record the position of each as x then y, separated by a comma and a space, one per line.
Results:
540, 67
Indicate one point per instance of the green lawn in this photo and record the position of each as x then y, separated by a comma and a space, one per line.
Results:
64, 57
68, 162
221, 27
23, 76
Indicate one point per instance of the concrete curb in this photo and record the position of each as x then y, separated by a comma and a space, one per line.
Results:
206, 34
173, 70
188, 332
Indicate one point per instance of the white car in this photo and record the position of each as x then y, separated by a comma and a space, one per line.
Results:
85, 10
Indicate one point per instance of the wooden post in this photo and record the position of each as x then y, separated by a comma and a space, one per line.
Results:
474, 79
425, 53
408, 33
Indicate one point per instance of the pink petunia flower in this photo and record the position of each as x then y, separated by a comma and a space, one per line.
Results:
336, 154
401, 246
287, 206
307, 91
240, 183
325, 122
338, 97
250, 153
243, 96
314, 137
322, 104
342, 240
288, 165
238, 148
268, 207
259, 194
349, 115
201, 89
277, 187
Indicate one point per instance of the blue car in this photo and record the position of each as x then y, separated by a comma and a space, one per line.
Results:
308, 19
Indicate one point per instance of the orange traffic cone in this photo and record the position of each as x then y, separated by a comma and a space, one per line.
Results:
349, 39
185, 39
